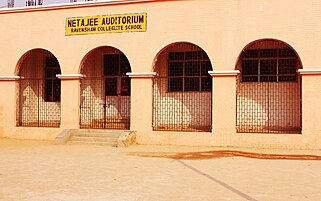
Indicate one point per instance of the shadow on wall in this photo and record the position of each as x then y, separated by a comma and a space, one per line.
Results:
93, 106
183, 109
270, 105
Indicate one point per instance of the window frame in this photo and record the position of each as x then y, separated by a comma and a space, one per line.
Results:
260, 57
122, 81
178, 81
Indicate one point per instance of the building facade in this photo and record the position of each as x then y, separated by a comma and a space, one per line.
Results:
243, 73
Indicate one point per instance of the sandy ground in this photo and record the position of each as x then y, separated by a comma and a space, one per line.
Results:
44, 171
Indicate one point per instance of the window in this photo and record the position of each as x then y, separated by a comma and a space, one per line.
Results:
269, 65
115, 68
188, 71
52, 83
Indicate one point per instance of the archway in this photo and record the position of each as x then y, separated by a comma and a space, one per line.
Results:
38, 101
182, 89
268, 88
105, 90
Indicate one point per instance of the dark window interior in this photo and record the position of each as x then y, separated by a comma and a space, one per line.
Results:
269, 65
52, 83
188, 71
115, 68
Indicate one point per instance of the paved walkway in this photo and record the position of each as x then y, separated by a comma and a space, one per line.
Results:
43, 171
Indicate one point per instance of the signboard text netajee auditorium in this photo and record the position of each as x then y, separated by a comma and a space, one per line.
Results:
106, 24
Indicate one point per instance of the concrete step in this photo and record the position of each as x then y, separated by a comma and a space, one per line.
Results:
104, 131
94, 143
117, 138
96, 136
97, 139
102, 135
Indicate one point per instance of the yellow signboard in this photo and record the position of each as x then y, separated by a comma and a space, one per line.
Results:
106, 24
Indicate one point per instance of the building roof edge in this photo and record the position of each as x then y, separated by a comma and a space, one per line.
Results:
74, 5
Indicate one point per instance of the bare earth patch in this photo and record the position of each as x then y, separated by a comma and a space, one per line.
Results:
44, 171
226, 153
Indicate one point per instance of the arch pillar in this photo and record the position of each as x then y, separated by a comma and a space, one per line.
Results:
69, 100
141, 100
311, 108
224, 99
8, 103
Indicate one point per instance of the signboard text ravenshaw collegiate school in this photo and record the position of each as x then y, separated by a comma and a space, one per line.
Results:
106, 24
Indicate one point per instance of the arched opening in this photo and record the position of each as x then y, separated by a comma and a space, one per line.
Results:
268, 88
38, 100
105, 90
182, 89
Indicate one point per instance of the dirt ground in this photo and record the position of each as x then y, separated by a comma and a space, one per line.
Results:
44, 171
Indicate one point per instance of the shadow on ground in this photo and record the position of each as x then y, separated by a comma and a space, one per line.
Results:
224, 154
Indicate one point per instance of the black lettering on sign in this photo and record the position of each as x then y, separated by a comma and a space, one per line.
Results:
71, 23
96, 21
141, 19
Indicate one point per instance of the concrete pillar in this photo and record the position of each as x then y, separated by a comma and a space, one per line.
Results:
311, 107
70, 111
141, 102
224, 104
8, 101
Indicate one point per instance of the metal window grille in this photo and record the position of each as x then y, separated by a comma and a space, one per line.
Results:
268, 89
188, 71
105, 92
33, 107
182, 90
